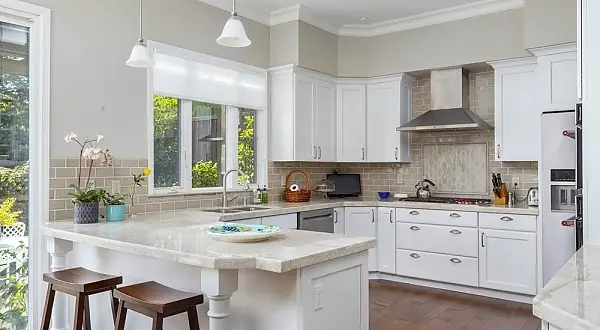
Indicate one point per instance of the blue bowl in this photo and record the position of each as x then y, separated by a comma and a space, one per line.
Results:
383, 194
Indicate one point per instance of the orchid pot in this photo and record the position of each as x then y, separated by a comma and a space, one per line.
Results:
86, 213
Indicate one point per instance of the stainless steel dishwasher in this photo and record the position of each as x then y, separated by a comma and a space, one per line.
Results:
318, 220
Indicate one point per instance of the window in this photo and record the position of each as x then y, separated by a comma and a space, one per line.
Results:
200, 133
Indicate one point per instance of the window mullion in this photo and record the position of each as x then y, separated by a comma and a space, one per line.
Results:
231, 145
186, 145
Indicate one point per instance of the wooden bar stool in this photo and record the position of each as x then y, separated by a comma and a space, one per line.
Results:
80, 283
156, 301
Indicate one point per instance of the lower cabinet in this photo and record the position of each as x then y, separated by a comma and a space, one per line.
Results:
507, 261
255, 221
362, 221
386, 240
338, 221
437, 267
284, 221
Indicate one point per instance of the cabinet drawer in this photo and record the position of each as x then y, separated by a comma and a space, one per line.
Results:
441, 239
437, 267
436, 217
507, 222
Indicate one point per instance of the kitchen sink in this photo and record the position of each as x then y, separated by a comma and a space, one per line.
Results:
221, 210
238, 209
250, 208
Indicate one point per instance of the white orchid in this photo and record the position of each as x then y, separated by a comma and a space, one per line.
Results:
99, 137
69, 137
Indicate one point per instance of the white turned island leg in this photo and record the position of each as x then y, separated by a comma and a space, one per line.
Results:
58, 250
219, 285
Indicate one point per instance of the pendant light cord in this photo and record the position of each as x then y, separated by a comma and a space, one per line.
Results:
141, 23
233, 13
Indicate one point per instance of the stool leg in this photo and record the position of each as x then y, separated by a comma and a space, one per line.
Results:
193, 318
87, 323
114, 304
48, 308
121, 315
79, 312
157, 322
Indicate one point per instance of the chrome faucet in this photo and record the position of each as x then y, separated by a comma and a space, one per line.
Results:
225, 199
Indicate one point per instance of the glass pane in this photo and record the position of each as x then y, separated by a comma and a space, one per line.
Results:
247, 144
14, 175
208, 144
166, 141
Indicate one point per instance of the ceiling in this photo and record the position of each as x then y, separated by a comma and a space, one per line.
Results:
343, 12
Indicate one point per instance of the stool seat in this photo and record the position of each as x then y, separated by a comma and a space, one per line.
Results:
159, 298
82, 280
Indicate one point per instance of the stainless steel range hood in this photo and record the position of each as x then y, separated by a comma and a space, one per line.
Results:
449, 104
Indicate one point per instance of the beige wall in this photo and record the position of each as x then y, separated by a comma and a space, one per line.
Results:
284, 44
473, 40
91, 40
550, 22
317, 49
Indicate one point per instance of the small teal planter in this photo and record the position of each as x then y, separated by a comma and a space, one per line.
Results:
115, 213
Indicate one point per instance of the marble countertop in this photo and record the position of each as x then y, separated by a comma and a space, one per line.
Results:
180, 236
571, 300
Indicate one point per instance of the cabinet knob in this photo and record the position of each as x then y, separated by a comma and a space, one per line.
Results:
506, 219
455, 215
414, 213
455, 232
415, 228
414, 255
456, 260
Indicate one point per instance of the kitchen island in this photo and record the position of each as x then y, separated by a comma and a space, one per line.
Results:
571, 300
275, 282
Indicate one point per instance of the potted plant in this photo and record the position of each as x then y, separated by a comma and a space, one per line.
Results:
9, 224
115, 207
86, 197
138, 180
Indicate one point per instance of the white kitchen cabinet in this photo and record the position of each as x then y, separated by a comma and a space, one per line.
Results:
507, 261
338, 221
437, 267
389, 104
362, 221
302, 115
351, 126
386, 240
556, 78
254, 221
581, 45
517, 137
284, 221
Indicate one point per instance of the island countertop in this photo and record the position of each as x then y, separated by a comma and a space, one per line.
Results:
181, 236
571, 300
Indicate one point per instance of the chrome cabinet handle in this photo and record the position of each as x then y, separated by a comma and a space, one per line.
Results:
455, 232
482, 238
455, 215
506, 219
391, 214
413, 213
415, 228
498, 151
335, 218
320, 152
414, 255
396, 154
373, 215
456, 260
363, 153
315, 152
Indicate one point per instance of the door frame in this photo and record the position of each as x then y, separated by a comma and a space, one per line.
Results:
38, 20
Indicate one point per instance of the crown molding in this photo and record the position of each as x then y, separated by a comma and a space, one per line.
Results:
252, 14
553, 50
304, 14
444, 15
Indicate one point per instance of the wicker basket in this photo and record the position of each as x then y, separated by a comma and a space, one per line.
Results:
300, 196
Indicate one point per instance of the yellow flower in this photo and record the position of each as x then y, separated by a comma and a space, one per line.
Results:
147, 171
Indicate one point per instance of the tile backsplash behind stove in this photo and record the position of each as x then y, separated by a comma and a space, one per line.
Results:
459, 162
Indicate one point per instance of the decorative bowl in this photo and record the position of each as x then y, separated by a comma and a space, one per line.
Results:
383, 194
240, 233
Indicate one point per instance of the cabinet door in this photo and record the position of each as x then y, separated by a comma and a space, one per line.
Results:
324, 123
305, 100
507, 261
361, 221
386, 240
284, 221
517, 137
557, 80
383, 116
351, 127
338, 221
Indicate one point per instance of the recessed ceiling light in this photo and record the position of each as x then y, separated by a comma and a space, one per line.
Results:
362, 18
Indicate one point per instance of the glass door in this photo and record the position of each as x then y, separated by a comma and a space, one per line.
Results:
14, 175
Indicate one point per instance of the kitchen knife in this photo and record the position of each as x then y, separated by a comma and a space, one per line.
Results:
499, 180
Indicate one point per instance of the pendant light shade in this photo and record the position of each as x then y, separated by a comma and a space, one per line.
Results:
140, 56
234, 34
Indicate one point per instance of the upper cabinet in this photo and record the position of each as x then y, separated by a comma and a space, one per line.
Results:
368, 112
557, 80
302, 115
515, 111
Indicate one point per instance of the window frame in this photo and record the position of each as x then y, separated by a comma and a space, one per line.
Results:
185, 138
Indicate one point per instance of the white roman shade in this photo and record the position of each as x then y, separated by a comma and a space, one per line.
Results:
193, 76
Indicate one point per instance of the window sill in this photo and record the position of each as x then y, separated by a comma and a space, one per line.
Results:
159, 194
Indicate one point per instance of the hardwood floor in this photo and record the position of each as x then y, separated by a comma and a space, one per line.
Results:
396, 306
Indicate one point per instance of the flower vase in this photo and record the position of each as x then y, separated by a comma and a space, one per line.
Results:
115, 212
85, 213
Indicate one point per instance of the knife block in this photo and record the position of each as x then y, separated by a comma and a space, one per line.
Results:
503, 198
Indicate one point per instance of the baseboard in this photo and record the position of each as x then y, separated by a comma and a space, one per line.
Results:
453, 287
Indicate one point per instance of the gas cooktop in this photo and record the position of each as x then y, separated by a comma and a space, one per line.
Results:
446, 200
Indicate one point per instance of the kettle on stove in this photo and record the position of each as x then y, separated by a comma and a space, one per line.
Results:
533, 197
423, 188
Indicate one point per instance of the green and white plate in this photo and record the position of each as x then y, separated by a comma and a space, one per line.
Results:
240, 233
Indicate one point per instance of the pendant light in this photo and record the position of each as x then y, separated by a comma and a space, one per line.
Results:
140, 56
234, 34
